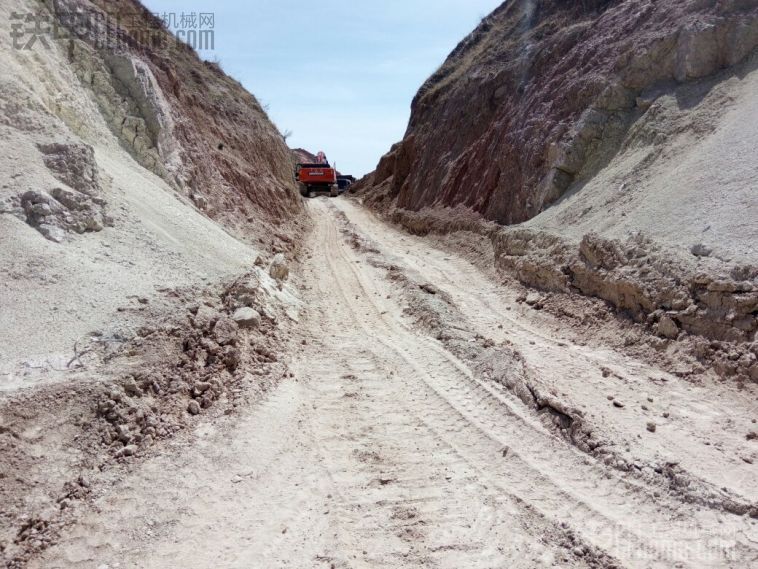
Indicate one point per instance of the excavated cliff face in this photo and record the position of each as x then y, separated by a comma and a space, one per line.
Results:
605, 149
142, 194
182, 118
129, 166
539, 96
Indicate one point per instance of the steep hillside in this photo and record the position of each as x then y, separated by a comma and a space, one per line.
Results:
614, 139
180, 117
540, 95
303, 156
143, 193
115, 156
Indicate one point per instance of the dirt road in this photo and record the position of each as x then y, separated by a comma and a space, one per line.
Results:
387, 450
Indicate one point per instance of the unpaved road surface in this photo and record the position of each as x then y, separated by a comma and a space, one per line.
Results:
386, 450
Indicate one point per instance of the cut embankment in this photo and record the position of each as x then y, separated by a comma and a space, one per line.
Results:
710, 313
605, 151
143, 190
663, 234
113, 188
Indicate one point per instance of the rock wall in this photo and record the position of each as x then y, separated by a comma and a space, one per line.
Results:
181, 117
559, 131
77, 205
538, 97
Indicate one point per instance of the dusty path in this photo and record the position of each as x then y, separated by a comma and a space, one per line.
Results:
385, 450
704, 426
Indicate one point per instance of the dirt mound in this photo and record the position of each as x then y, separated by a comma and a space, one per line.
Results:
195, 361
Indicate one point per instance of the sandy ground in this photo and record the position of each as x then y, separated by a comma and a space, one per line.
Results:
386, 450
705, 425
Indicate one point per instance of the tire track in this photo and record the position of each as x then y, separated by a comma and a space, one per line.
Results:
622, 517
385, 451
591, 372
415, 497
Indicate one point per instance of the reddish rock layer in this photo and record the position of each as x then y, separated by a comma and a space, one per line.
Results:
538, 97
183, 117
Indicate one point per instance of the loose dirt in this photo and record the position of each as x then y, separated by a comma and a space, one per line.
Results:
394, 445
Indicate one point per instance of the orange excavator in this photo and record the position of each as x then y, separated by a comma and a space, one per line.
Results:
317, 178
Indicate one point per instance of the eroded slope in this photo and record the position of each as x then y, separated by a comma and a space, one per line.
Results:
540, 94
118, 162
613, 139
142, 195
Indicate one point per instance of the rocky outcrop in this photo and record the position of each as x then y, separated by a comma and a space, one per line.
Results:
543, 130
246, 317
300, 155
279, 270
714, 311
639, 279
76, 205
538, 98
62, 210
181, 117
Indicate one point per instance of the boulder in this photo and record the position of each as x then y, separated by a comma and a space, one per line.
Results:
225, 331
698, 51
668, 328
246, 317
73, 164
52, 232
205, 317
63, 210
701, 250
128, 450
279, 269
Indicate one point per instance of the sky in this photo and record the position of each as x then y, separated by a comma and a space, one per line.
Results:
339, 74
